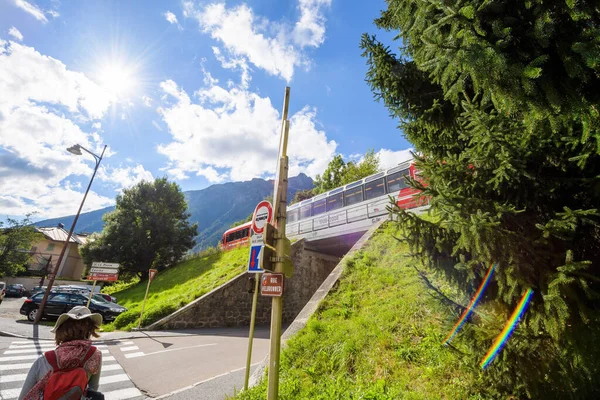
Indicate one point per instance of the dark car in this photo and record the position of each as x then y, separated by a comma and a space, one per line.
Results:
15, 290
108, 297
61, 302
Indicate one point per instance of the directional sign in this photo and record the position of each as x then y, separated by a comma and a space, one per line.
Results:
253, 262
263, 213
104, 277
98, 264
271, 285
94, 270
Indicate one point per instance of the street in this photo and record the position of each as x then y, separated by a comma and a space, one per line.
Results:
178, 365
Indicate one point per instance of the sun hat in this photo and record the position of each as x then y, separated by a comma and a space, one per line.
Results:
79, 312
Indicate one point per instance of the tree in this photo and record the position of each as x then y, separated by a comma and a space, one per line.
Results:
339, 173
302, 195
15, 244
502, 100
149, 228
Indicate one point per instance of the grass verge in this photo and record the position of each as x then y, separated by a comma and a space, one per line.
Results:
377, 336
177, 286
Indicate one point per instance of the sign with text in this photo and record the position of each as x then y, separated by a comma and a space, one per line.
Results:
105, 265
103, 277
102, 271
263, 213
254, 261
271, 285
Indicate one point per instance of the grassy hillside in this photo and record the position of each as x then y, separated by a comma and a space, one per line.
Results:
378, 336
178, 286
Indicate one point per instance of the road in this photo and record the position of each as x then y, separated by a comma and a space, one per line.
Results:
10, 307
214, 358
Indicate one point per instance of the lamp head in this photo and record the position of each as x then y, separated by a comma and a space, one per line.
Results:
75, 149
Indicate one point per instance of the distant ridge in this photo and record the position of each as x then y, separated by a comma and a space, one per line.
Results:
214, 208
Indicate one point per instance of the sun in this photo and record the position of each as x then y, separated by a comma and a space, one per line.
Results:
118, 80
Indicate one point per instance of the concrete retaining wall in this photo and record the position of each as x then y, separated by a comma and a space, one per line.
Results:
231, 304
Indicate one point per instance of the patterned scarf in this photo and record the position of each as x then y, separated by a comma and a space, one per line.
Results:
68, 355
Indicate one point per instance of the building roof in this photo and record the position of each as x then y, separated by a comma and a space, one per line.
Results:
60, 235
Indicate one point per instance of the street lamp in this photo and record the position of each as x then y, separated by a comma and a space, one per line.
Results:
75, 149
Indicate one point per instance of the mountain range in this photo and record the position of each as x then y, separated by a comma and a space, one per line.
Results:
214, 208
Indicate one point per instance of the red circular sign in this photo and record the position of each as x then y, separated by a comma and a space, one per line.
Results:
263, 213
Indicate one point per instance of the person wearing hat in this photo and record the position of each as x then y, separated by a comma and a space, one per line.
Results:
73, 332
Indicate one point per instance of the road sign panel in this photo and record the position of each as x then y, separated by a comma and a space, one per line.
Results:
94, 270
103, 277
263, 213
98, 264
253, 262
271, 285
152, 273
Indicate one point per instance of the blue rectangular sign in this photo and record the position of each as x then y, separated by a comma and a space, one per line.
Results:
253, 262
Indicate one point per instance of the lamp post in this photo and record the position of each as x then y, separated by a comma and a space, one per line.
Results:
76, 149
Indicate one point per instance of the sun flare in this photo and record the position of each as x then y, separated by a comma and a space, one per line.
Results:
118, 80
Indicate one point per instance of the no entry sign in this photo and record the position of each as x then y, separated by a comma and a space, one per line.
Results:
263, 213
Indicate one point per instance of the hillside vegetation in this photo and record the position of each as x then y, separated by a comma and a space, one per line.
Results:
178, 286
377, 336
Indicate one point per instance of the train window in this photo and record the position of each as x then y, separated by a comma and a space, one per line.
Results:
353, 196
319, 207
397, 181
305, 211
335, 201
229, 237
374, 189
292, 216
245, 233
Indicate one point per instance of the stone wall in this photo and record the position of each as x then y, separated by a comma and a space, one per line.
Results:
231, 304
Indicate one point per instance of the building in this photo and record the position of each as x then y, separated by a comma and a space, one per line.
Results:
46, 252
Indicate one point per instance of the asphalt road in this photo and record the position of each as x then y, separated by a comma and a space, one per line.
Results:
10, 307
213, 358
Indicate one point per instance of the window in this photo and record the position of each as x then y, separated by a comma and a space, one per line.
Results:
50, 247
374, 189
60, 298
319, 207
353, 196
292, 216
397, 181
335, 201
78, 299
305, 211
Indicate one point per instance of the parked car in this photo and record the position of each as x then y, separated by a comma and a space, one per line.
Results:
37, 289
2, 291
108, 297
61, 302
15, 290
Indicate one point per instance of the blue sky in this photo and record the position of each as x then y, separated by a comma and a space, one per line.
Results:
192, 90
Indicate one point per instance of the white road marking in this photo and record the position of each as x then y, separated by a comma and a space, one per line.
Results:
18, 358
7, 394
38, 351
129, 348
8, 367
112, 367
122, 394
113, 379
33, 341
140, 354
33, 346
12, 378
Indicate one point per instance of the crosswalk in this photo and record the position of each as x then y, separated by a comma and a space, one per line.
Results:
16, 360
129, 350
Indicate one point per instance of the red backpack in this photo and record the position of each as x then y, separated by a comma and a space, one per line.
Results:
66, 384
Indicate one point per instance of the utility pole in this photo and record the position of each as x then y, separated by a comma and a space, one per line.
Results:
76, 149
279, 208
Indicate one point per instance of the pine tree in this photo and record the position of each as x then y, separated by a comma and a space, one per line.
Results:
501, 100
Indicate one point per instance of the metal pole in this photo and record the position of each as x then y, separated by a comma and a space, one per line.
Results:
91, 293
277, 304
52, 275
251, 336
144, 303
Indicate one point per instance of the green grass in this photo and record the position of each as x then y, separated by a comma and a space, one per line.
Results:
377, 336
177, 286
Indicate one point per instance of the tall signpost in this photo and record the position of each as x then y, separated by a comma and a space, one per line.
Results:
263, 215
102, 271
151, 274
280, 200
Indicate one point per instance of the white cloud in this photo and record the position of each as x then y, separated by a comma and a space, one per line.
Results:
32, 9
172, 18
266, 44
233, 134
124, 177
14, 32
310, 29
42, 107
389, 158
156, 125
147, 101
